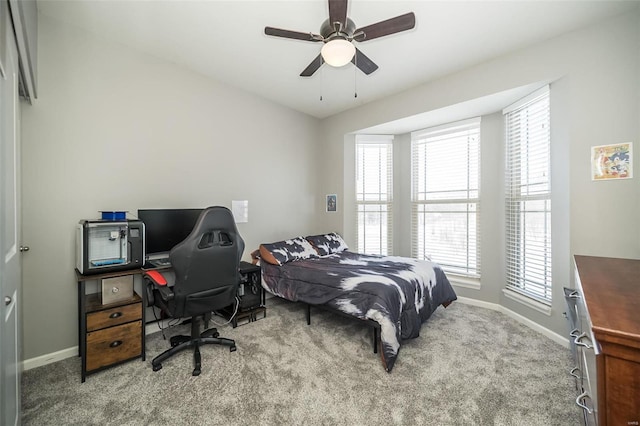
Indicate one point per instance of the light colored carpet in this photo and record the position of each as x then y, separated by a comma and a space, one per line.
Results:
470, 366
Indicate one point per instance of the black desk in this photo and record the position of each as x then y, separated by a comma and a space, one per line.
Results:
250, 293
110, 334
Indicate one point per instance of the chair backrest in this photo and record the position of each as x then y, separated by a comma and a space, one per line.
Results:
206, 264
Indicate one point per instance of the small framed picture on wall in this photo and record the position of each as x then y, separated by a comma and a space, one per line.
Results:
332, 202
611, 161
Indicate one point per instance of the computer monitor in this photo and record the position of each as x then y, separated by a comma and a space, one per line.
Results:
165, 228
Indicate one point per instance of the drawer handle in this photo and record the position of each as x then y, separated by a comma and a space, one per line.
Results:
574, 333
573, 373
115, 344
574, 295
579, 343
583, 406
115, 315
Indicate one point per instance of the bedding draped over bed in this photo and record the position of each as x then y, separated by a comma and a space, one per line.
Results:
398, 293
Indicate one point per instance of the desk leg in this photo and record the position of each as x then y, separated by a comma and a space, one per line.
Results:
80, 291
82, 329
144, 319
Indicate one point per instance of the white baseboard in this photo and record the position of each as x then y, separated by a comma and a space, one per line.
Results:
39, 361
154, 327
151, 328
521, 319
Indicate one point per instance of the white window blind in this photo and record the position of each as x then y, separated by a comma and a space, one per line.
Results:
528, 197
446, 196
374, 193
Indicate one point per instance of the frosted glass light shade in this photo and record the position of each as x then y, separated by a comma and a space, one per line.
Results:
338, 52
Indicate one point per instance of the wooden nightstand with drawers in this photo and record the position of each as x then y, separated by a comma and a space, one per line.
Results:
109, 333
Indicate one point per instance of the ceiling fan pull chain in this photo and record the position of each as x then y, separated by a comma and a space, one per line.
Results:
355, 76
321, 82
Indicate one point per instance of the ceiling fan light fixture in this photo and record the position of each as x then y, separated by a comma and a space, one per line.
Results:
338, 32
338, 52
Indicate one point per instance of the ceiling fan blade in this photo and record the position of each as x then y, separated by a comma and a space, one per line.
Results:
363, 62
296, 35
338, 12
387, 27
313, 67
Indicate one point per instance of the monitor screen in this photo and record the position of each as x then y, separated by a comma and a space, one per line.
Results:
164, 228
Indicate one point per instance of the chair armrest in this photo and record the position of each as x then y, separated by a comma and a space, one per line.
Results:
156, 278
165, 293
156, 283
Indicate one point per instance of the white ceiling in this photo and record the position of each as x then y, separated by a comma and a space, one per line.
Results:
225, 40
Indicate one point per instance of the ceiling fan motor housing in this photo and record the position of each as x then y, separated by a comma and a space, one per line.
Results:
330, 32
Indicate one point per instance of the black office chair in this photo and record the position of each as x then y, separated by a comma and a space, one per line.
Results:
206, 279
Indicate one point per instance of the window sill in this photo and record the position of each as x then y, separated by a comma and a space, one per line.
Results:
527, 301
466, 282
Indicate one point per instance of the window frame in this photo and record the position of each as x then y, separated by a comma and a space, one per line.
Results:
468, 271
384, 204
530, 280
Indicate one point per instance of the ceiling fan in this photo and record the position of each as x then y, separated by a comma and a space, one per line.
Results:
338, 33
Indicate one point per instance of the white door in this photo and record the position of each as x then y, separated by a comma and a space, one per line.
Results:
10, 265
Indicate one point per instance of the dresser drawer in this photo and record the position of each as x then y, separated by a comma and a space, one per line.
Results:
114, 316
114, 344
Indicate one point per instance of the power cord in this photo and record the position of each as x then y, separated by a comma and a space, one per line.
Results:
235, 311
173, 322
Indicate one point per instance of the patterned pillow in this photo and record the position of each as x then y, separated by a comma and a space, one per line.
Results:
282, 252
328, 243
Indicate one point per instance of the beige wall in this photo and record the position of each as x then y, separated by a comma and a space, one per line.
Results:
595, 82
114, 129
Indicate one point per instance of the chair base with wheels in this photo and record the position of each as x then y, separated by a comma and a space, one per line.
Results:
180, 343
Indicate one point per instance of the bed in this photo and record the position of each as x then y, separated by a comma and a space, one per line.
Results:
397, 293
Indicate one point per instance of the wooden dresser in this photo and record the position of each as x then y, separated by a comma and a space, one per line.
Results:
607, 339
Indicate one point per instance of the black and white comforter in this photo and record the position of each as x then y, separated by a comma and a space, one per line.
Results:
398, 293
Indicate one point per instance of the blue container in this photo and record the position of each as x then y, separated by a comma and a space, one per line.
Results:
113, 215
